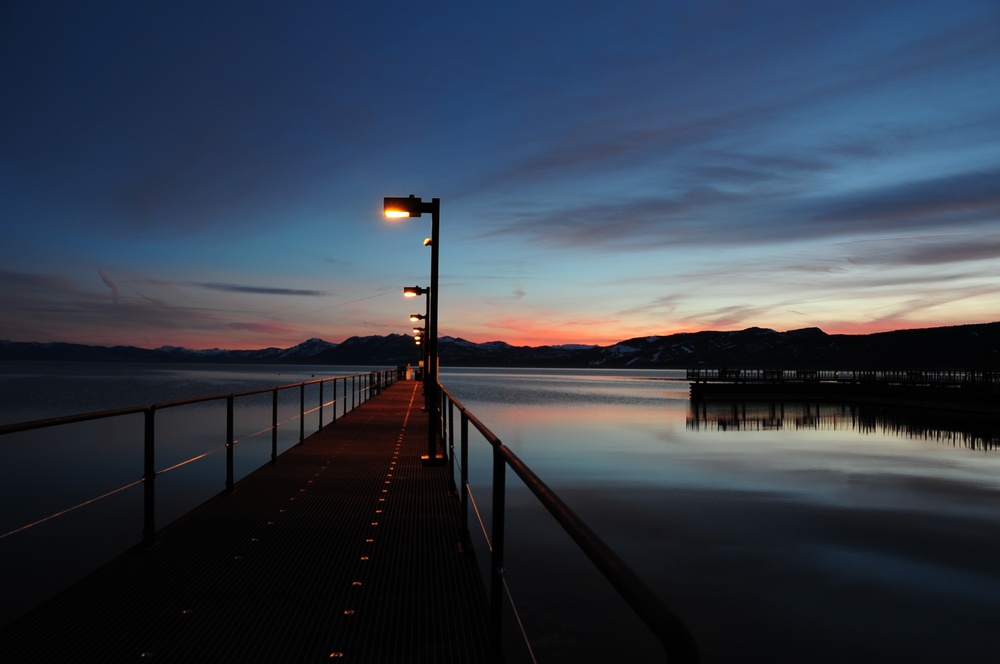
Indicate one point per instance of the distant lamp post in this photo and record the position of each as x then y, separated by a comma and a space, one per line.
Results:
414, 291
399, 207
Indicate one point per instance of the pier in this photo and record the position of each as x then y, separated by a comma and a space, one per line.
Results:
346, 549
352, 545
977, 391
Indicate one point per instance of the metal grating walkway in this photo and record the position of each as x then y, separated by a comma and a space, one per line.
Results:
346, 550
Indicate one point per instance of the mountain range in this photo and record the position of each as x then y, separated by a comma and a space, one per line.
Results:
954, 347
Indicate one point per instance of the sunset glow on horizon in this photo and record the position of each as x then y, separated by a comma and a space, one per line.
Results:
210, 175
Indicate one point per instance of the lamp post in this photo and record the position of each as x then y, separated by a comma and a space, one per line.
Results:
399, 207
415, 291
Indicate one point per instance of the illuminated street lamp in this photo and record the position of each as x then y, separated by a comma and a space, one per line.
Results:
398, 207
413, 291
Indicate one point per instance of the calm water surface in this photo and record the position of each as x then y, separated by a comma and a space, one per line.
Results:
51, 471
795, 532
779, 532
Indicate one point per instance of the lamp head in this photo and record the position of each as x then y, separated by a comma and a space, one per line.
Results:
399, 207
413, 291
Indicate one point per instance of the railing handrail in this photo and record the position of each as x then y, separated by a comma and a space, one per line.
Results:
666, 626
359, 393
160, 405
43, 423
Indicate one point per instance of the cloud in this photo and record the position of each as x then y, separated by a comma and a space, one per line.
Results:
259, 290
769, 208
955, 252
972, 197
110, 284
925, 250
732, 316
31, 285
665, 304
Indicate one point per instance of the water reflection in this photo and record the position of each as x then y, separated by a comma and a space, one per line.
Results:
969, 430
781, 532
74, 482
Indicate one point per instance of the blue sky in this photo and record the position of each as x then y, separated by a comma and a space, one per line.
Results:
210, 174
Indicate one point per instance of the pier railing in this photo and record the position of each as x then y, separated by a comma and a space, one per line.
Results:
354, 390
678, 644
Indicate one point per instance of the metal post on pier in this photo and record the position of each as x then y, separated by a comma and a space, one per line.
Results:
274, 426
464, 473
333, 404
149, 479
497, 547
397, 207
229, 444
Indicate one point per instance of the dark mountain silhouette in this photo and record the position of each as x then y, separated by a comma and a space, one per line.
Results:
956, 347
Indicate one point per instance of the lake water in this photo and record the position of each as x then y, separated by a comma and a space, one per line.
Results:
784, 532
53, 470
794, 532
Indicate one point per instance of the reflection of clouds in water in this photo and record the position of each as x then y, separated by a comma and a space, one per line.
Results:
761, 577
793, 544
555, 390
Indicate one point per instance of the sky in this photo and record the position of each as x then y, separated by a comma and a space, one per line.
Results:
211, 174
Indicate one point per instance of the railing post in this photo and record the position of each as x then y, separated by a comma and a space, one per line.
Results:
229, 444
149, 480
354, 390
448, 443
320, 405
496, 557
274, 426
464, 474
333, 419
302, 412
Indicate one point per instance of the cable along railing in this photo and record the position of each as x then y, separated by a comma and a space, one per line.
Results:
671, 632
354, 390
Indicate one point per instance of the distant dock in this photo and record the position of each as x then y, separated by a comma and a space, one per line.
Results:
976, 391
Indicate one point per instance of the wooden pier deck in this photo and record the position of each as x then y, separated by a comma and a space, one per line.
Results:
347, 549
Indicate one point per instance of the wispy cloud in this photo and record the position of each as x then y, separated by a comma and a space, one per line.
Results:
929, 249
115, 295
258, 290
972, 197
